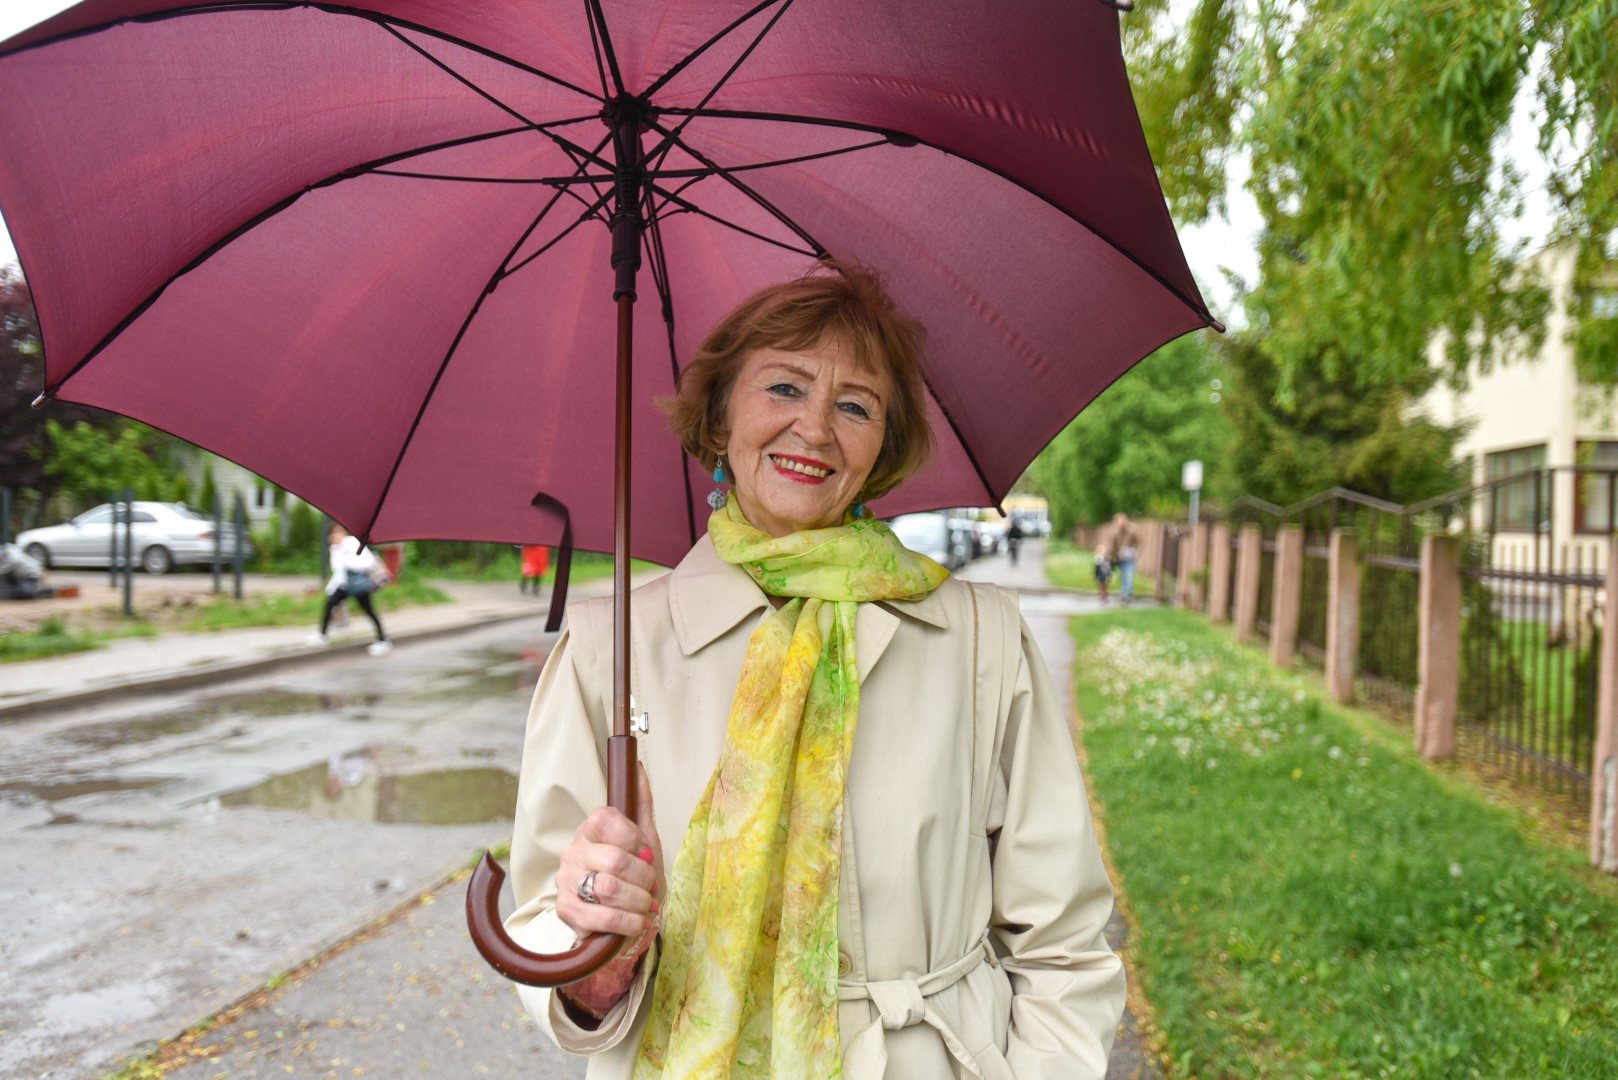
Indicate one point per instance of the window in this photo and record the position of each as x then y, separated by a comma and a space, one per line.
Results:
1519, 505
141, 517
1593, 494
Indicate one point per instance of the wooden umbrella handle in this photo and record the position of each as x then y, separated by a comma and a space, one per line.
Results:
483, 901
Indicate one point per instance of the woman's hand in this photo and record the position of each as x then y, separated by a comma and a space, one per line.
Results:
627, 859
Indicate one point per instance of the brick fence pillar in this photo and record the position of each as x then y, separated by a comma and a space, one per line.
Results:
1249, 565
1604, 768
1219, 573
1288, 594
1342, 614
1165, 537
1438, 659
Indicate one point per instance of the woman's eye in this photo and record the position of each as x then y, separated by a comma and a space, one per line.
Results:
784, 390
855, 409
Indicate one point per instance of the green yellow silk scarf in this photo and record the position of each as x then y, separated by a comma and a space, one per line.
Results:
747, 983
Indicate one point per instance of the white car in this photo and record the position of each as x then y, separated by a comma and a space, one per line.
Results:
166, 535
932, 536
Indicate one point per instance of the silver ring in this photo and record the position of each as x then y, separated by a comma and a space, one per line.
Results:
587, 888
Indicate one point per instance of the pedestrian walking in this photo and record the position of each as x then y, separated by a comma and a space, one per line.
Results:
1013, 540
356, 573
847, 884
1125, 546
536, 559
1103, 564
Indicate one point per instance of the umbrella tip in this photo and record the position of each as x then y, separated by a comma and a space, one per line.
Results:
1120, 5
39, 402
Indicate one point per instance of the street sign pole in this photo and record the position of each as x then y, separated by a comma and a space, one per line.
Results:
1191, 480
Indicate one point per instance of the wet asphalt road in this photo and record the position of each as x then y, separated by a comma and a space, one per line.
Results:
162, 857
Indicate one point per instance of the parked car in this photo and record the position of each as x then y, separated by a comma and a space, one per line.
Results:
934, 536
166, 535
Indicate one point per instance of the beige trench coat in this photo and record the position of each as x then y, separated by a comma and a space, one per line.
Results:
973, 893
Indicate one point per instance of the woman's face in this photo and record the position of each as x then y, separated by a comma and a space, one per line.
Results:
805, 431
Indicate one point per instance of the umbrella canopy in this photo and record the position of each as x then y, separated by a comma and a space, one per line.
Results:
363, 248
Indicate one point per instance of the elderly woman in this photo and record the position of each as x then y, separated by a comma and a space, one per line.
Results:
871, 848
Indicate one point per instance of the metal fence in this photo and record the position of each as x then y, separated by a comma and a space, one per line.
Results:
1533, 600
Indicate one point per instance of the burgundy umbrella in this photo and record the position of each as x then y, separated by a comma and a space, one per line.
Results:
381, 251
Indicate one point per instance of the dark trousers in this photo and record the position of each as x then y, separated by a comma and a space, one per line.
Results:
336, 599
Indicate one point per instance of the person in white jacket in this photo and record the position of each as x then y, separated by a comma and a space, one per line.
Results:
355, 572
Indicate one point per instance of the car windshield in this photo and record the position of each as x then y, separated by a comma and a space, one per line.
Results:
923, 529
186, 512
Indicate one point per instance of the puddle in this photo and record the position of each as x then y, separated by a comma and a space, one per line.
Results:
352, 788
264, 703
120, 1003
72, 789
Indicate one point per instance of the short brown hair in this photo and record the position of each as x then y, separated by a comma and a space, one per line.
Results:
832, 299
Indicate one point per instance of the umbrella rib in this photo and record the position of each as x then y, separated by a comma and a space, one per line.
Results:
698, 174
542, 181
329, 8
500, 272
672, 139
257, 220
458, 77
661, 80
739, 114
688, 205
802, 234
598, 22
660, 280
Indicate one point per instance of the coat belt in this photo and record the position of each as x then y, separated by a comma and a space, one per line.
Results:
904, 1003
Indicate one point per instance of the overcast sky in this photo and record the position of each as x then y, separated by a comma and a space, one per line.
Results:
1211, 249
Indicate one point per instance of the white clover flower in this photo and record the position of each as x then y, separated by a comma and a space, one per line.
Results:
1454, 869
1335, 752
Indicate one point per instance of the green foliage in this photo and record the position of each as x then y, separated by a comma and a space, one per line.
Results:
1312, 900
210, 493
54, 637
303, 533
88, 461
1333, 432
1125, 451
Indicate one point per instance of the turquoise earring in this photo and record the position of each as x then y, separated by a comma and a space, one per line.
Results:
859, 509
718, 496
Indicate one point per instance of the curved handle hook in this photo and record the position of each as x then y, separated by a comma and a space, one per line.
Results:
483, 898
512, 960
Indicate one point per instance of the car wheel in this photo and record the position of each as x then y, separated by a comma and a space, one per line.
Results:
38, 553
156, 560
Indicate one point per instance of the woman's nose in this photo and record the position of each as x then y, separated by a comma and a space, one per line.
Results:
814, 420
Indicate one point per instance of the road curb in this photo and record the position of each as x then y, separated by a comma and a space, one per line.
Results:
231, 669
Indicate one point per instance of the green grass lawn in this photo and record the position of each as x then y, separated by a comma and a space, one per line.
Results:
1314, 901
1075, 568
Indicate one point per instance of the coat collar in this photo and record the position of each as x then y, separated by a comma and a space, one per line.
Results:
708, 597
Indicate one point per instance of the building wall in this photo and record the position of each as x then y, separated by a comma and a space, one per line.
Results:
1528, 400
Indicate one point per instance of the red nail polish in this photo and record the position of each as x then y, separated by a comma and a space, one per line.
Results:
655, 907
646, 854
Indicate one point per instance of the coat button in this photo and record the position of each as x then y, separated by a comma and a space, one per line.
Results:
845, 966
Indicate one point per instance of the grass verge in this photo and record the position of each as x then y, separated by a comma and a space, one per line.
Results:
285, 609
53, 637
1312, 899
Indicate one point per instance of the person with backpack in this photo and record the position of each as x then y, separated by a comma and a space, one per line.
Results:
356, 573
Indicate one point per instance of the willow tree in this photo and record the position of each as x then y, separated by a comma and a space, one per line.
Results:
1375, 131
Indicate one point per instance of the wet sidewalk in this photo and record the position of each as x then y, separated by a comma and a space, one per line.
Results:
180, 659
